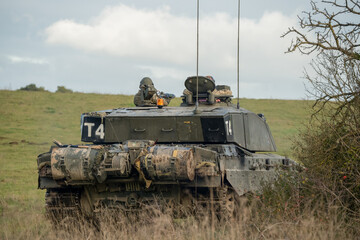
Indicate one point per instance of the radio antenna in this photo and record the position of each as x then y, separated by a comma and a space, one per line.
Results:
238, 57
197, 59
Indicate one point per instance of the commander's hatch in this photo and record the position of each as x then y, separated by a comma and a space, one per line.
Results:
200, 86
206, 90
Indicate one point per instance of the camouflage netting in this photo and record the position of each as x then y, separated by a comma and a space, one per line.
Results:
224, 92
187, 92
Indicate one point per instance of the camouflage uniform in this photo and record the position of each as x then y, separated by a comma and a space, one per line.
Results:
147, 95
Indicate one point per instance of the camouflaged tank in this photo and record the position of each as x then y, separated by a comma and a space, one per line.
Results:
152, 151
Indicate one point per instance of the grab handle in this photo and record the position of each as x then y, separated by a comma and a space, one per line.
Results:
139, 130
166, 130
213, 130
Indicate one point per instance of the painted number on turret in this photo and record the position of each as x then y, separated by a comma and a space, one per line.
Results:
89, 128
100, 131
228, 127
92, 129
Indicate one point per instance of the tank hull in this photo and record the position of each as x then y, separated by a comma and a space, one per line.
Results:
128, 176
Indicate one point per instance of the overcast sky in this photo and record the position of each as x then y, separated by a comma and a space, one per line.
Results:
108, 46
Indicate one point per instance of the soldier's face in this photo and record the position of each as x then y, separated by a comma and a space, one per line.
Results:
150, 87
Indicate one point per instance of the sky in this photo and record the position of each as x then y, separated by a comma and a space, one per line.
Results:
107, 46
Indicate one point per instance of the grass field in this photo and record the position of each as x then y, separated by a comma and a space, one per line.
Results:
29, 121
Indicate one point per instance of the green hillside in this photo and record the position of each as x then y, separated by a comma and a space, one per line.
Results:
31, 120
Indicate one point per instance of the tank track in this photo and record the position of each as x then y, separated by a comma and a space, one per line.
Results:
61, 204
223, 201
227, 203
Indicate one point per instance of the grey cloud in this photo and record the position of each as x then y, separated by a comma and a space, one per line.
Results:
88, 55
18, 59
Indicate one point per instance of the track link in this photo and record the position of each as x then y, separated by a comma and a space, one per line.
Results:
61, 204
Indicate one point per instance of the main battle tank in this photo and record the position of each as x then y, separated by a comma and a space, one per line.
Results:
176, 154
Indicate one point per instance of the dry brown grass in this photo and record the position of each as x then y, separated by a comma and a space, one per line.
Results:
34, 118
254, 220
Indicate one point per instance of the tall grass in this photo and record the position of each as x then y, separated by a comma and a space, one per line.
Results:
29, 121
252, 221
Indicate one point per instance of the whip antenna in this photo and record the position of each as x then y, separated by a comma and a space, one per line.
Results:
197, 58
238, 56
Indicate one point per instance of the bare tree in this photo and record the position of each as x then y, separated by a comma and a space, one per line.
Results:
332, 30
335, 80
330, 145
330, 25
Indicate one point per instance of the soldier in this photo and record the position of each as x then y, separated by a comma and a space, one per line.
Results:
147, 95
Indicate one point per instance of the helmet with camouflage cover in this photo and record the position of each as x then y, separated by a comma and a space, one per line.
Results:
147, 83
